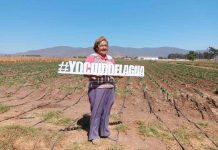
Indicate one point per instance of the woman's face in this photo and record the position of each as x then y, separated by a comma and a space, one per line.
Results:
102, 48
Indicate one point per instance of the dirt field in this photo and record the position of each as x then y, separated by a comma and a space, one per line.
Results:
175, 106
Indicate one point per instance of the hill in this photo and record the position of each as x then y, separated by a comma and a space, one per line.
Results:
63, 51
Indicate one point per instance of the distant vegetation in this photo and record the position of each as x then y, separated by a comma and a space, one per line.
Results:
192, 55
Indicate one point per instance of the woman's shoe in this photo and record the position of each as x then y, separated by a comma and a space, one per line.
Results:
96, 141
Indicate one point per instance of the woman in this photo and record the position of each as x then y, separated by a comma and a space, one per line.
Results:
101, 93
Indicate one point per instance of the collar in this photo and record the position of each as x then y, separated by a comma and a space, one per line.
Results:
102, 57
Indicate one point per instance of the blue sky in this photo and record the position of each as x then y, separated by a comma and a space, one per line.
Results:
34, 24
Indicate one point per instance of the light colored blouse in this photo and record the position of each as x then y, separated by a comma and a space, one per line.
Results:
101, 81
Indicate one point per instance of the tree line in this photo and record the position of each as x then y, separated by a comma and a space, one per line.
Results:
211, 53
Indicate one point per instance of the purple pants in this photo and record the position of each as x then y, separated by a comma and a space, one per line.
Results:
101, 101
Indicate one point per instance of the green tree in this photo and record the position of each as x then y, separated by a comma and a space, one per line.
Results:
192, 55
213, 52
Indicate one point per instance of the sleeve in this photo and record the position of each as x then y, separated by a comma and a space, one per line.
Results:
90, 59
113, 61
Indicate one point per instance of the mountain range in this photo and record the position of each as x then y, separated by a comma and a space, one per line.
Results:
116, 51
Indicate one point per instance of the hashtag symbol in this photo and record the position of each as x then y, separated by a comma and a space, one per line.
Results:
63, 67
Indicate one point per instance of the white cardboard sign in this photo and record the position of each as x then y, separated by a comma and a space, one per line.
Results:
86, 68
